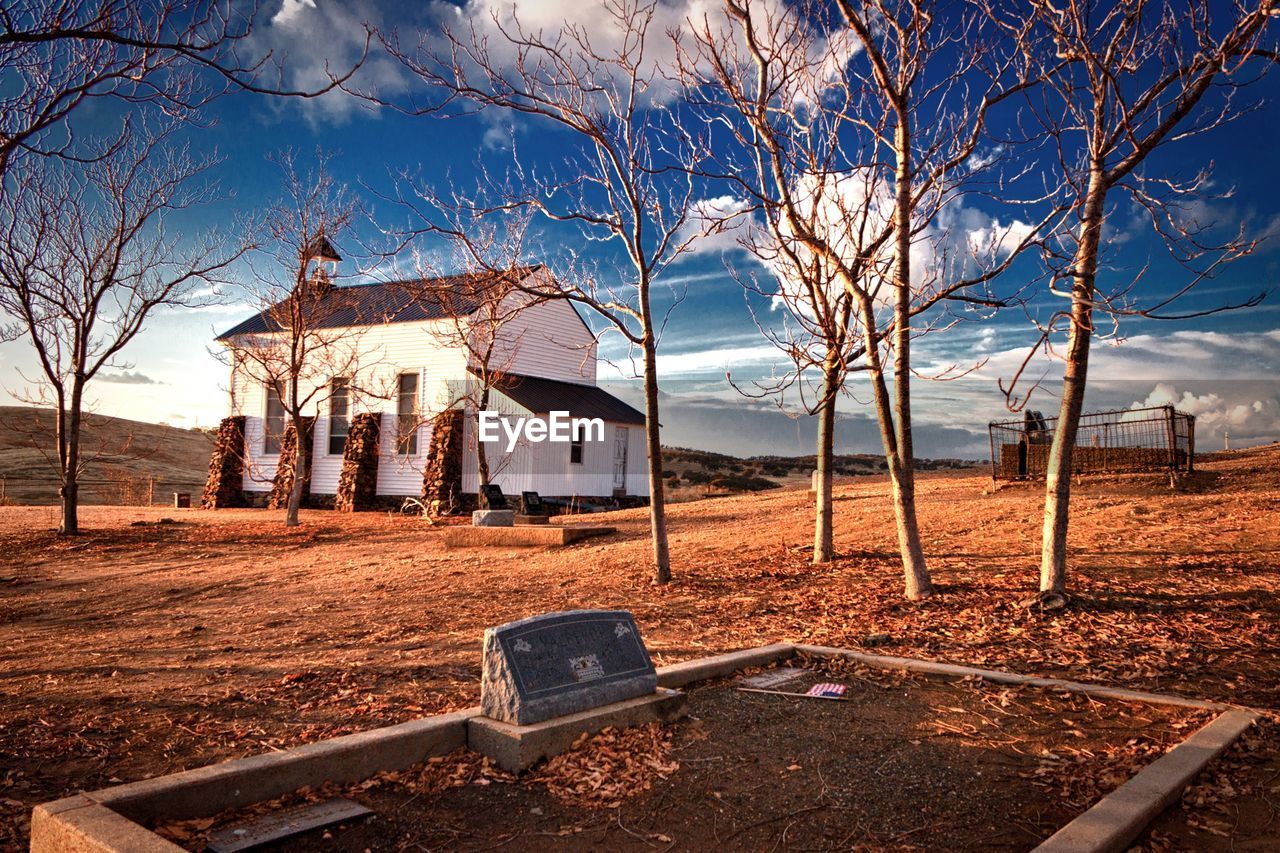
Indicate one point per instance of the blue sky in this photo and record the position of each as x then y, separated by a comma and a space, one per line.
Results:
1223, 368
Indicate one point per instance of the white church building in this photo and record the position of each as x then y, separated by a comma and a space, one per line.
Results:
411, 351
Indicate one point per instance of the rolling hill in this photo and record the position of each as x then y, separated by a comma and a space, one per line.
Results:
131, 460
128, 459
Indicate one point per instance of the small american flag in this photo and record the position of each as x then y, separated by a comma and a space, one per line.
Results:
826, 688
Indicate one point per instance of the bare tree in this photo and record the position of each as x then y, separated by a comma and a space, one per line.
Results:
174, 55
306, 331
86, 258
853, 137
1122, 80
293, 348
620, 184
480, 299
818, 334
765, 73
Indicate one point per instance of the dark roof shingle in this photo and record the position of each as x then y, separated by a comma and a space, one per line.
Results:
542, 396
377, 303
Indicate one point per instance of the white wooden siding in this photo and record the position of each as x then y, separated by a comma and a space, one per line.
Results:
547, 340
400, 348
250, 400
545, 468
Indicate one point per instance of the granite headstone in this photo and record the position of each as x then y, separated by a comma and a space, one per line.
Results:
493, 496
562, 663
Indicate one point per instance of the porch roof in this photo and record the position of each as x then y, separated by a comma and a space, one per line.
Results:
543, 396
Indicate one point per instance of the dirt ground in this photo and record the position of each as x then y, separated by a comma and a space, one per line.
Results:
901, 762
145, 648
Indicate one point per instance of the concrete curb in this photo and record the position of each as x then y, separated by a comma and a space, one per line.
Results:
208, 790
999, 677
517, 748
351, 758
1119, 817
702, 669
79, 824
109, 819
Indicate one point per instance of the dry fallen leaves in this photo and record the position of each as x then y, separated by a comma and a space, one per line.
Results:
598, 771
604, 769
1182, 597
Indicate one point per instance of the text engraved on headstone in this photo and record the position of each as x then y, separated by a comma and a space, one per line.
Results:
561, 663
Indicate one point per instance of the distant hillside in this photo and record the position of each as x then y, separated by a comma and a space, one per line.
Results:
704, 471
126, 456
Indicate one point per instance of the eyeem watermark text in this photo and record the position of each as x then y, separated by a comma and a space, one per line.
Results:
557, 427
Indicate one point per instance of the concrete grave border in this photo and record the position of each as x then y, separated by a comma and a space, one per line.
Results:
110, 820
1109, 825
517, 748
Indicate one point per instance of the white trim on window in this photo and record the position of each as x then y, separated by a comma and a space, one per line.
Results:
268, 390
342, 383
411, 418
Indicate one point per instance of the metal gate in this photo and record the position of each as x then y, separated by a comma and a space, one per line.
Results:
1159, 438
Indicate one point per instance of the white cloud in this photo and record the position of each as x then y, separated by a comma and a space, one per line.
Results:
499, 132
1269, 235
597, 21
316, 41
852, 209
127, 377
725, 217
1171, 357
985, 341
997, 240
290, 11
1124, 225
717, 361
713, 361
1218, 219
1215, 415
243, 308
1200, 214
846, 211
984, 157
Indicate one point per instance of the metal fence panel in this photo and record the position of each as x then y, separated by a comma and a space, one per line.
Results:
1126, 440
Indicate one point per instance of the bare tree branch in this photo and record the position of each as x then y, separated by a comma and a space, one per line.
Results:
85, 260
1119, 81
173, 55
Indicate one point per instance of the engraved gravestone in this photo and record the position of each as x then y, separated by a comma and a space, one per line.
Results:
493, 496
561, 663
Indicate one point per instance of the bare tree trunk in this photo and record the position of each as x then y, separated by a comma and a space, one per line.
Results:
482, 458
902, 488
1057, 504
902, 475
915, 573
915, 570
299, 473
70, 442
653, 446
823, 547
